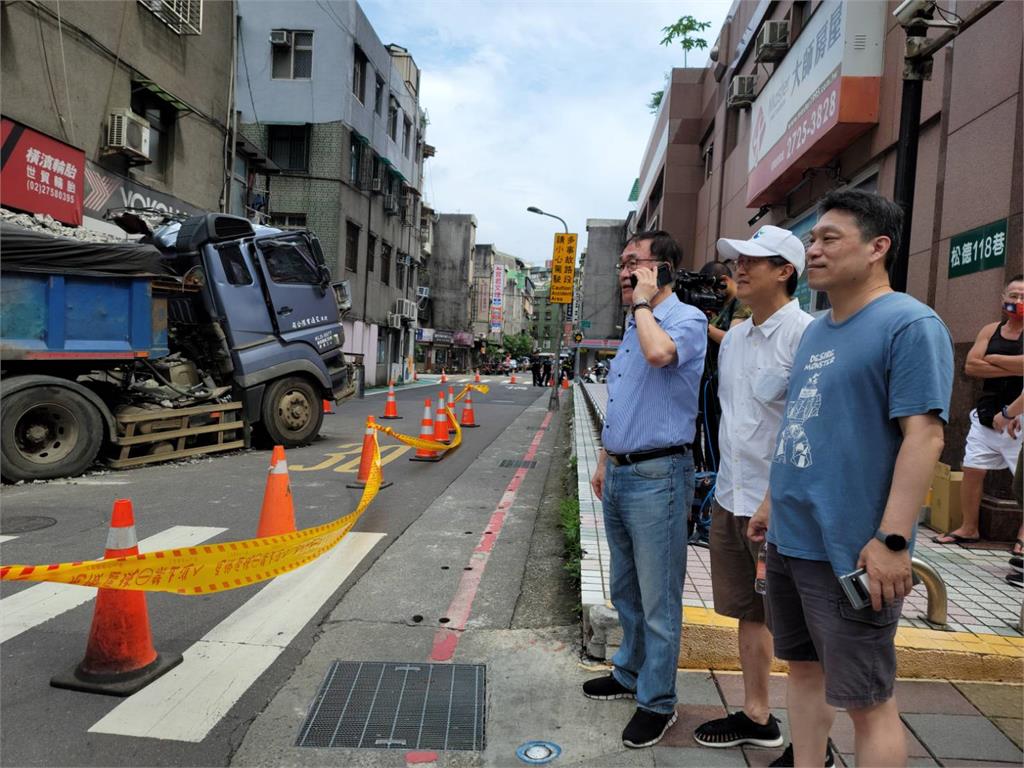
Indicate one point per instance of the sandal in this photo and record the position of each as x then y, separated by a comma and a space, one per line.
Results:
955, 538
1018, 548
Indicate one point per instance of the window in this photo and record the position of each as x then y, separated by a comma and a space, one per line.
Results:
354, 158
288, 220
400, 271
290, 262
233, 263
351, 247
294, 59
161, 116
359, 65
371, 251
378, 97
393, 119
385, 264
289, 146
406, 137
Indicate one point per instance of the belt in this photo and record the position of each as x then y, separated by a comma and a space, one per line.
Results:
622, 459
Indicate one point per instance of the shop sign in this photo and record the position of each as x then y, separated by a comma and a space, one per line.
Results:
978, 249
426, 335
821, 96
563, 267
463, 339
497, 298
442, 337
105, 190
40, 174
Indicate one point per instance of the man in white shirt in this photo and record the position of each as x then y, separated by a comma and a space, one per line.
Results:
753, 367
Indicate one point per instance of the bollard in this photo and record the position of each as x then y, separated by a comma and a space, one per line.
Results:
938, 600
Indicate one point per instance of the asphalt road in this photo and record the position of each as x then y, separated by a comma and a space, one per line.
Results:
212, 499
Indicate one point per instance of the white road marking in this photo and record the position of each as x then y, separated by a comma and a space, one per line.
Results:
42, 602
189, 701
5, 539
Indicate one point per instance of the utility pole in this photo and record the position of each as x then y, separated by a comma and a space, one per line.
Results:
917, 17
553, 400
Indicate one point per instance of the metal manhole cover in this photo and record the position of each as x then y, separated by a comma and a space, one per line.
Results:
518, 464
398, 705
24, 523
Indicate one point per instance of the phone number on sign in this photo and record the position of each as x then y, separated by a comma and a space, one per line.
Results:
810, 125
40, 189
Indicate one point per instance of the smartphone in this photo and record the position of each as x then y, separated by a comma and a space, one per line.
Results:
664, 276
858, 591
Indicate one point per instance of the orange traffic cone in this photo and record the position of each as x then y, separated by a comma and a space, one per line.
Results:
444, 377
476, 379
565, 381
467, 412
441, 421
366, 458
512, 380
391, 407
327, 407
451, 409
119, 657
426, 433
277, 515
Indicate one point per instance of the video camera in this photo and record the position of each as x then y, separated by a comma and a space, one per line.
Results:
705, 292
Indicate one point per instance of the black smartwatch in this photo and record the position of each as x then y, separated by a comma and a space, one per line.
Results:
1006, 414
893, 541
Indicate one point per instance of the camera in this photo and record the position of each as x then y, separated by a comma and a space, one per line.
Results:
705, 292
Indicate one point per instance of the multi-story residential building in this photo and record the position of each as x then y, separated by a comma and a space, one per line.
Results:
600, 315
445, 339
519, 290
111, 105
492, 323
546, 325
338, 112
801, 98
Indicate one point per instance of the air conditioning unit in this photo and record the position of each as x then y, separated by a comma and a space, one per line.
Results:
377, 185
390, 202
128, 133
410, 309
772, 41
394, 321
741, 91
424, 234
423, 291
280, 37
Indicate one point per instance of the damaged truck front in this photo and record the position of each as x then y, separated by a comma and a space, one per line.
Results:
168, 348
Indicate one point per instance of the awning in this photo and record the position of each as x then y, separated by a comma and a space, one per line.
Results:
256, 159
170, 98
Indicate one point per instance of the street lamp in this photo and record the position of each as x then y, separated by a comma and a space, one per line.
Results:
553, 400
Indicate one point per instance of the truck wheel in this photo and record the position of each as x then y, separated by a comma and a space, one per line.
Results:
292, 412
48, 432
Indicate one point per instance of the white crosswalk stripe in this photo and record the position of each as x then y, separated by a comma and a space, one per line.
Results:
5, 539
42, 602
187, 702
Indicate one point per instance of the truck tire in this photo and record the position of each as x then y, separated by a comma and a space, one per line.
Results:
48, 432
292, 412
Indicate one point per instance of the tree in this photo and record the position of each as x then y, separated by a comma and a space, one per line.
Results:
682, 31
519, 345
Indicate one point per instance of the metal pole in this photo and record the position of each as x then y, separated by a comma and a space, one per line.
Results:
553, 400
906, 167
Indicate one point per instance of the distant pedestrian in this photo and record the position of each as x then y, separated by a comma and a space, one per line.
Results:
867, 400
754, 363
1009, 419
546, 372
644, 478
536, 370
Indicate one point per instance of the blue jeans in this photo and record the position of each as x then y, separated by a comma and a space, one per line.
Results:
645, 508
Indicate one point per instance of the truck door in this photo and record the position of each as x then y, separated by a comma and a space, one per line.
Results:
304, 306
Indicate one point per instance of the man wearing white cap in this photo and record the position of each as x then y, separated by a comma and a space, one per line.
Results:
753, 367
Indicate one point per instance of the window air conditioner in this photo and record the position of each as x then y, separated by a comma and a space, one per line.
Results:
423, 291
394, 321
280, 37
128, 133
390, 202
409, 308
772, 41
377, 185
741, 91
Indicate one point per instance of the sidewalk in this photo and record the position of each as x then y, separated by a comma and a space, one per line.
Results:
982, 640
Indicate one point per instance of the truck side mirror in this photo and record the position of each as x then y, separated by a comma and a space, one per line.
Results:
343, 295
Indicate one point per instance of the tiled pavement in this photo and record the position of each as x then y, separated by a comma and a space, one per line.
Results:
980, 601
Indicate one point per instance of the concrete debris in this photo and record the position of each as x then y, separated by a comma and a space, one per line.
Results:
42, 222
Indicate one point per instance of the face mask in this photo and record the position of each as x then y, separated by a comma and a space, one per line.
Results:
1014, 309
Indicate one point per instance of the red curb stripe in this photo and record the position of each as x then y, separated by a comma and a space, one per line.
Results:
446, 640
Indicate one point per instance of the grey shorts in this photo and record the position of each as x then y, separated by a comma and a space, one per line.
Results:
734, 567
811, 619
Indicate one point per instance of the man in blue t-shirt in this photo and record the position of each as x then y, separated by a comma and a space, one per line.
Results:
863, 427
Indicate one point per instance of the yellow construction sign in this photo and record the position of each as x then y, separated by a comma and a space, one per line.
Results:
563, 269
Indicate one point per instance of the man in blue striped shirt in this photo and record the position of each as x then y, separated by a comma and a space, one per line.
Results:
644, 478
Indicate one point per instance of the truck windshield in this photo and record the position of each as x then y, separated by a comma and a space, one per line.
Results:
290, 262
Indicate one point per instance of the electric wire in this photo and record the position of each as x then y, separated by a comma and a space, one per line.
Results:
64, 67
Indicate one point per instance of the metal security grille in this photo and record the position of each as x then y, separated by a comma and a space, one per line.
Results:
398, 705
518, 464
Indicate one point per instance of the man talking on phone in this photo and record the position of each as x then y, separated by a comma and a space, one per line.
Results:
644, 478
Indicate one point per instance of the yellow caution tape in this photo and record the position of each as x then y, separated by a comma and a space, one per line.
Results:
435, 445
209, 568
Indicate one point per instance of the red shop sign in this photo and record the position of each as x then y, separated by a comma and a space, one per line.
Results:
39, 174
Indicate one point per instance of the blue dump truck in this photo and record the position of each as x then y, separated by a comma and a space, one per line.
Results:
207, 332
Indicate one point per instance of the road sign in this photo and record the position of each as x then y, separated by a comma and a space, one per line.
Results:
577, 337
563, 264
584, 324
978, 249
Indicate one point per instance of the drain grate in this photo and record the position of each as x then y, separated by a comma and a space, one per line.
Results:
25, 523
518, 464
398, 705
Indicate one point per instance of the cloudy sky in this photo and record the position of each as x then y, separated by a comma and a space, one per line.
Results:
537, 103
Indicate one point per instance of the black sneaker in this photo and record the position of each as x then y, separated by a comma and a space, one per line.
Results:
1017, 563
785, 760
645, 729
736, 729
606, 688
1016, 579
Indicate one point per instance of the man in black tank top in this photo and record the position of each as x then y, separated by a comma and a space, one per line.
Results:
998, 359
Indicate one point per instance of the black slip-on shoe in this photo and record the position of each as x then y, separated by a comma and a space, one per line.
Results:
736, 729
1017, 563
645, 728
606, 688
786, 760
1016, 579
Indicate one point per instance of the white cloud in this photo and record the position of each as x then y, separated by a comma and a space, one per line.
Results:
535, 103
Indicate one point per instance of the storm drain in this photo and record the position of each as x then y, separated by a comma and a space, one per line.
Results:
518, 464
398, 705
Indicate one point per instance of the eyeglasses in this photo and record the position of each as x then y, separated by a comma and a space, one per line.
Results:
632, 264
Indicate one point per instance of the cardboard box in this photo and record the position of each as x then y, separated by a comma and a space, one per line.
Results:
945, 513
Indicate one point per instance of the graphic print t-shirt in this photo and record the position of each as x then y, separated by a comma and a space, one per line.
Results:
836, 449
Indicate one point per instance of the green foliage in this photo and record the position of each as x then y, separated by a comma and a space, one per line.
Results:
569, 520
682, 31
519, 345
655, 102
